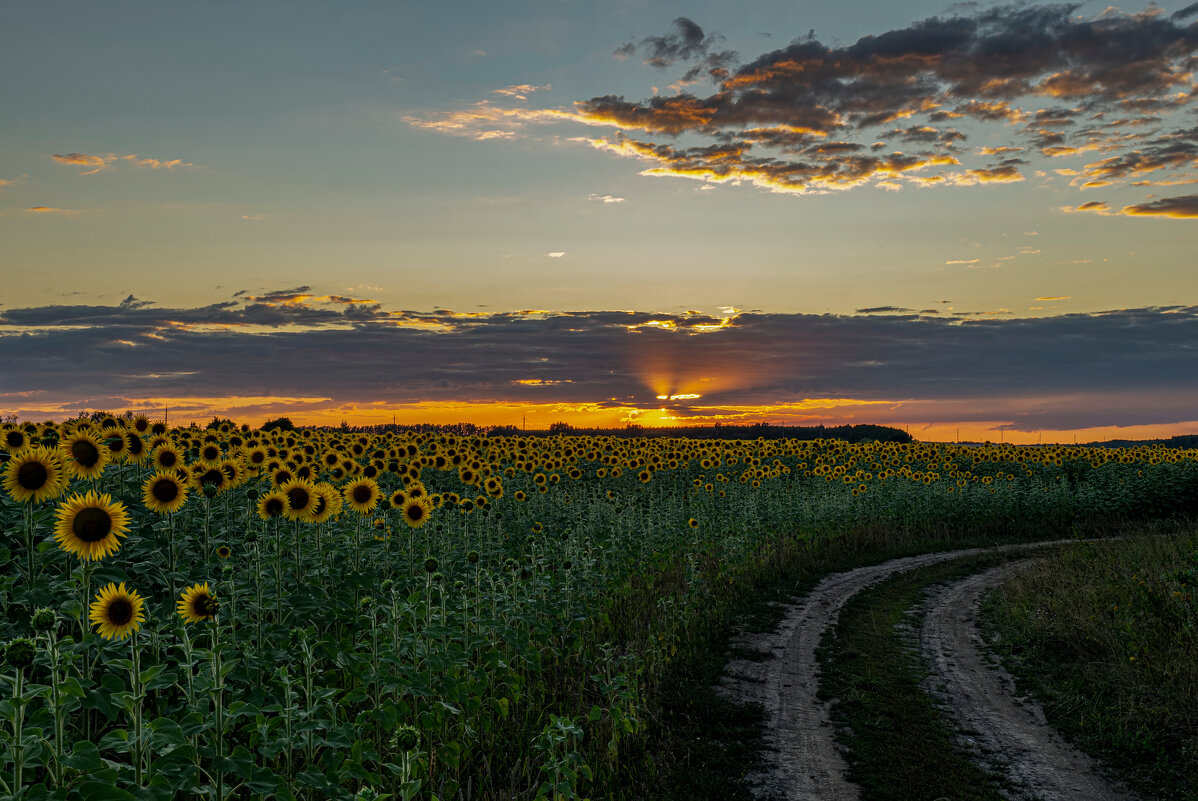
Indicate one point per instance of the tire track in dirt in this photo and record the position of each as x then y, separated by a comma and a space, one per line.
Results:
804, 762
1012, 734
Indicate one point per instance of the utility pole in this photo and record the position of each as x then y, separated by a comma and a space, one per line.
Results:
166, 410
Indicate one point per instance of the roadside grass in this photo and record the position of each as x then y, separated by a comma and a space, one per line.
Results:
701, 745
899, 745
1105, 636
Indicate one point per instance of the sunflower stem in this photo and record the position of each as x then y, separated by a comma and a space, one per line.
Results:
18, 726
218, 701
27, 510
57, 703
135, 711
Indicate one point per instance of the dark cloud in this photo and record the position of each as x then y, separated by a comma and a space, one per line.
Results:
686, 43
908, 363
975, 65
1183, 206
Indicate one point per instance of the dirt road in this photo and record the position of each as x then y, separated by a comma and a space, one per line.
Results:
804, 761
1011, 735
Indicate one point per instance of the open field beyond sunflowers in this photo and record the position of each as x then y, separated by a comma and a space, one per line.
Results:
225, 613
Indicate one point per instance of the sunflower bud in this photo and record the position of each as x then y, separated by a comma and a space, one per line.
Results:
431, 565
472, 557
209, 490
44, 620
407, 738
20, 652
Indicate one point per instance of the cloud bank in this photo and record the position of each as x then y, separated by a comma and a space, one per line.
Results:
1119, 367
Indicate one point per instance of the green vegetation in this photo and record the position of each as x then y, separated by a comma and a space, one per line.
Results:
900, 748
1105, 636
524, 604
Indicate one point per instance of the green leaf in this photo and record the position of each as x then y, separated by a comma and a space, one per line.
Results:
240, 763
98, 791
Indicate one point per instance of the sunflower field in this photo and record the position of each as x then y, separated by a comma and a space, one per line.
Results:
225, 613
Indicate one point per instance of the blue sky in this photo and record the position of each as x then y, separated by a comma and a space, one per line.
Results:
554, 156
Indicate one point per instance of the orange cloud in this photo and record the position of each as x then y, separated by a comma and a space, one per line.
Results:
1184, 207
103, 162
51, 210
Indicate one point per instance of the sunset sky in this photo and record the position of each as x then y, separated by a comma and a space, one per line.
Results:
938, 216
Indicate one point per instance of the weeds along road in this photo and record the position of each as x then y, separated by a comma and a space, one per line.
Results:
804, 761
1011, 734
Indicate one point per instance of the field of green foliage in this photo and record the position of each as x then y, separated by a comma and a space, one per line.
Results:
225, 613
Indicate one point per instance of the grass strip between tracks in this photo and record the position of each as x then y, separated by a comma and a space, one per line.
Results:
899, 746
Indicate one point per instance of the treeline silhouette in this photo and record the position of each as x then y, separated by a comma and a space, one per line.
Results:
854, 433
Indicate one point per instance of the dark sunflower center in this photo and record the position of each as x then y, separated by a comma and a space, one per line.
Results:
165, 491
120, 612
211, 453
204, 606
274, 507
32, 475
257, 457
299, 498
85, 453
214, 477
167, 459
136, 445
320, 504
15, 439
362, 494
415, 512
92, 524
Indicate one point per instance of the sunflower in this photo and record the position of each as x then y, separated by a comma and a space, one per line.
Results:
224, 551
35, 474
328, 502
301, 499
89, 525
114, 438
416, 512
234, 472
203, 473
272, 504
117, 612
197, 604
166, 457
362, 495
210, 453
693, 523
256, 458
164, 492
398, 498
83, 453
14, 440
135, 448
